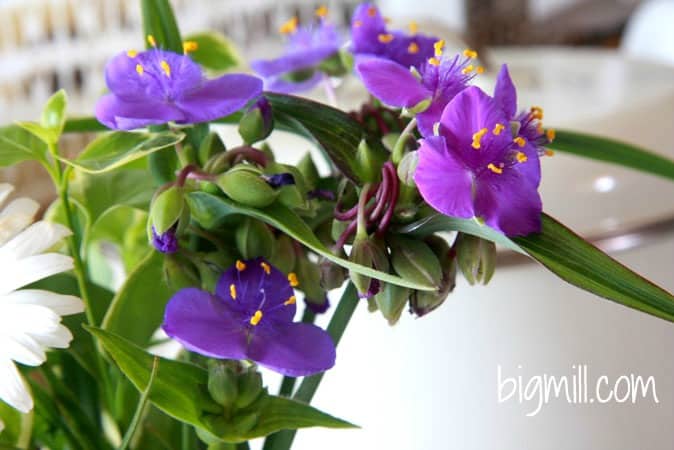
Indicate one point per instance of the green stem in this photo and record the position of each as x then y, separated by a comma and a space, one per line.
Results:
399, 147
136, 420
361, 231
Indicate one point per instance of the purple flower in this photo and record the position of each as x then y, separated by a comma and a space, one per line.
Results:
370, 37
250, 316
437, 82
476, 167
165, 243
158, 86
307, 47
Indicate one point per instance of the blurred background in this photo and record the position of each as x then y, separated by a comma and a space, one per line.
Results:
598, 66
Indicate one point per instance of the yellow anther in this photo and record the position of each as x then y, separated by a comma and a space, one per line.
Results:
290, 301
266, 267
434, 61
438, 47
550, 134
537, 112
322, 11
539, 128
495, 169
292, 279
289, 27
240, 265
387, 20
139, 69
468, 53
151, 40
549, 152
357, 23
371, 11
477, 138
165, 67
520, 141
414, 28
256, 318
413, 48
468, 69
385, 38
521, 157
498, 128
190, 46
232, 291
131, 53
479, 70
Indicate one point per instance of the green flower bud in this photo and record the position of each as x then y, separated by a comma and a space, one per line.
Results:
249, 387
257, 123
211, 266
210, 187
242, 424
309, 278
332, 275
422, 303
418, 108
246, 187
284, 255
211, 146
309, 171
187, 155
407, 167
218, 163
415, 261
476, 258
391, 301
369, 252
253, 239
369, 163
166, 209
222, 384
389, 140
179, 273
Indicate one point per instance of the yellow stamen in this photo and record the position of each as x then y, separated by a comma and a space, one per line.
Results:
139, 69
477, 137
539, 128
549, 152
493, 168
289, 27
520, 141
371, 11
322, 11
521, 157
290, 301
131, 53
240, 265
166, 68
385, 38
434, 61
414, 28
357, 23
537, 112
232, 291
151, 40
438, 47
468, 53
190, 46
479, 70
550, 134
292, 279
498, 128
413, 48
256, 318
468, 69
266, 267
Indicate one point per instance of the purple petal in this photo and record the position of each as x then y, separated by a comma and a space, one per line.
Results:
291, 62
392, 83
444, 181
367, 24
118, 114
122, 78
531, 168
505, 94
398, 49
427, 119
283, 86
201, 323
219, 97
297, 349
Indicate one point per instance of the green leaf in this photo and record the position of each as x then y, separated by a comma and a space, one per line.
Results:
138, 308
334, 131
214, 51
612, 151
210, 211
160, 22
571, 258
117, 148
18, 144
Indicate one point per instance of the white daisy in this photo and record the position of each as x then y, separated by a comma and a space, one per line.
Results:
30, 319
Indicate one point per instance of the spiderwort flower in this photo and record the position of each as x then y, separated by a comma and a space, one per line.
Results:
475, 167
166, 242
307, 47
370, 37
438, 80
158, 86
250, 316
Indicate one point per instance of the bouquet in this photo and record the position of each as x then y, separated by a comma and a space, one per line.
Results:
164, 231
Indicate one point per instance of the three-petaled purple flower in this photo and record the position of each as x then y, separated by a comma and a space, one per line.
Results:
477, 167
250, 316
158, 86
370, 37
307, 47
430, 89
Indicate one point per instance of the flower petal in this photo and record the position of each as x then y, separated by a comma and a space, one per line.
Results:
16, 216
31, 269
116, 113
283, 86
22, 348
367, 24
201, 323
392, 83
297, 349
219, 97
63, 305
296, 60
443, 181
13, 390
505, 94
5, 190
35, 239
122, 78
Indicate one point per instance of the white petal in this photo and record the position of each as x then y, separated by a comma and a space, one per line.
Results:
63, 305
13, 390
28, 270
37, 238
58, 338
5, 190
23, 349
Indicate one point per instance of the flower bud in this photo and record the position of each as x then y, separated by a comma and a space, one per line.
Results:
243, 185
308, 170
222, 384
283, 257
179, 273
422, 303
369, 252
166, 209
332, 275
369, 163
243, 423
407, 167
418, 108
249, 388
309, 279
391, 301
187, 155
211, 146
254, 239
212, 265
415, 261
257, 123
476, 258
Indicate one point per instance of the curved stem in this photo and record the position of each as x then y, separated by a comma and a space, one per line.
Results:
399, 147
137, 416
361, 231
